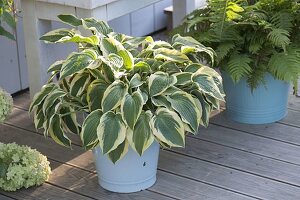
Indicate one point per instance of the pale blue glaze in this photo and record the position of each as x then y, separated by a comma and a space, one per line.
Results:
267, 103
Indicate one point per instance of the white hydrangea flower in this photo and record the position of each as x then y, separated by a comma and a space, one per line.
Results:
6, 104
21, 166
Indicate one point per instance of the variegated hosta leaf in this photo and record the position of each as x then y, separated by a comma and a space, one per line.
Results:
168, 127
127, 58
56, 35
135, 81
55, 67
178, 41
207, 85
39, 97
192, 68
74, 63
161, 101
170, 55
51, 98
131, 108
88, 133
56, 132
159, 82
115, 60
119, 152
77, 38
216, 77
199, 49
206, 109
144, 94
113, 96
184, 104
172, 90
170, 67
99, 27
69, 120
111, 131
141, 137
183, 78
70, 19
39, 117
141, 67
95, 94
110, 45
79, 84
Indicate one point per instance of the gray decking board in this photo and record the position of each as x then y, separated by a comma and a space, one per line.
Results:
217, 164
2, 197
251, 143
275, 131
51, 150
242, 161
45, 192
292, 119
294, 102
230, 179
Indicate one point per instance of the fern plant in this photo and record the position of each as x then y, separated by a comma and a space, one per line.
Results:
250, 37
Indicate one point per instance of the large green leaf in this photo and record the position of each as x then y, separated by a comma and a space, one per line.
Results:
69, 120
131, 108
141, 137
207, 85
113, 95
77, 38
168, 127
79, 84
5, 33
111, 131
100, 27
159, 82
56, 132
70, 19
119, 152
185, 105
170, 55
9, 19
56, 66
127, 58
39, 97
88, 133
135, 81
206, 109
51, 98
95, 94
183, 78
74, 63
56, 35
161, 101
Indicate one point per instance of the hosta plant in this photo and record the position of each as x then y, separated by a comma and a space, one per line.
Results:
251, 37
133, 90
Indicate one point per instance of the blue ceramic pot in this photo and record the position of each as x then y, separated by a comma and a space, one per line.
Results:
132, 173
267, 103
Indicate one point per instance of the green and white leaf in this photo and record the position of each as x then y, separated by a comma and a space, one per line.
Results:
159, 82
95, 94
111, 131
168, 127
113, 96
88, 133
185, 105
141, 137
119, 152
131, 108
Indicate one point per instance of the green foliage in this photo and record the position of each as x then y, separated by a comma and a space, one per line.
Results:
7, 17
6, 104
21, 166
133, 89
251, 38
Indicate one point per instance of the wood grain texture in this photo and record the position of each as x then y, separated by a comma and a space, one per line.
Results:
294, 101
2, 197
292, 119
84, 160
44, 192
275, 131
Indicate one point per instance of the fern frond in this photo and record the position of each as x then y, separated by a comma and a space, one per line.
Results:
257, 76
279, 37
285, 65
282, 20
223, 50
239, 66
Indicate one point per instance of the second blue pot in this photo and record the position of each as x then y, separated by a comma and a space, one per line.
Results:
266, 104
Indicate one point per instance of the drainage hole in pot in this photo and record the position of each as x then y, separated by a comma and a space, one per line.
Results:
144, 164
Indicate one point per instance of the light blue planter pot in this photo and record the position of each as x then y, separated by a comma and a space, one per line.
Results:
267, 103
132, 173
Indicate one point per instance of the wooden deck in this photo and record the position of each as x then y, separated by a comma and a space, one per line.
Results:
226, 161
